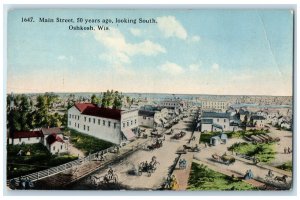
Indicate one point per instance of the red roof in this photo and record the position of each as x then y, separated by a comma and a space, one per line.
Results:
48, 131
93, 110
27, 134
54, 138
82, 106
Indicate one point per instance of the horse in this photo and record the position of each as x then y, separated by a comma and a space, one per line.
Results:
281, 179
97, 180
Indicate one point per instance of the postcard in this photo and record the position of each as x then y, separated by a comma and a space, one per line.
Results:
149, 99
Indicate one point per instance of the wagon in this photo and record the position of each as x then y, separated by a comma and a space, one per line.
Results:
224, 159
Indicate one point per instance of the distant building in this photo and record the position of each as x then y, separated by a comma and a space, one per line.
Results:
55, 144
258, 121
26, 137
171, 103
146, 118
108, 124
211, 105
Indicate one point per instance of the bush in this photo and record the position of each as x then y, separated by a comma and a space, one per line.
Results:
264, 152
288, 166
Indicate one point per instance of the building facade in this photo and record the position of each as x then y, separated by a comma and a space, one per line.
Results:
108, 124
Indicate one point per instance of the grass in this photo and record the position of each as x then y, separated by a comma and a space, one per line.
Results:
203, 178
39, 159
205, 137
86, 143
264, 152
288, 166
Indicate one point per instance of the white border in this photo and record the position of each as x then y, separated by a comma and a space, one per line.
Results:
159, 4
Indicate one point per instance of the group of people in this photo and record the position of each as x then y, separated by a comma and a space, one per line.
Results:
24, 183
21, 153
287, 150
249, 175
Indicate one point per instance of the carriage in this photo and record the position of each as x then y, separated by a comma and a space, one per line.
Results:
224, 159
147, 167
109, 178
155, 145
191, 148
177, 136
169, 132
156, 134
182, 164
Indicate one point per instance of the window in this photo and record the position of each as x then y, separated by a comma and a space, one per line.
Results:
28, 139
85, 119
61, 146
135, 121
127, 123
78, 117
131, 122
20, 139
89, 119
69, 115
83, 127
75, 124
115, 125
224, 120
103, 122
148, 118
78, 125
108, 123
98, 121
53, 148
88, 128
123, 125
94, 120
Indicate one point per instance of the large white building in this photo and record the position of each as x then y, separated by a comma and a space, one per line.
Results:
214, 105
171, 103
108, 124
213, 121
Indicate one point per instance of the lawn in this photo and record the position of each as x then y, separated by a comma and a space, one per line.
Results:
86, 143
264, 152
40, 158
288, 166
205, 137
203, 178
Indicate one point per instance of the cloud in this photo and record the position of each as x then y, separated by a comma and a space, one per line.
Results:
170, 27
119, 50
194, 38
135, 31
61, 57
171, 68
194, 67
215, 67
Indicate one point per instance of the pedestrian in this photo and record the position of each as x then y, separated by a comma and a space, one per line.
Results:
284, 150
289, 150
97, 156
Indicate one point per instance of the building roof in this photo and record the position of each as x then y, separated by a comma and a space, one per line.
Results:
82, 106
54, 138
244, 112
206, 121
255, 117
146, 113
217, 126
48, 131
27, 134
93, 110
215, 115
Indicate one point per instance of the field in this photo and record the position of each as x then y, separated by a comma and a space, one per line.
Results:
39, 159
203, 178
86, 143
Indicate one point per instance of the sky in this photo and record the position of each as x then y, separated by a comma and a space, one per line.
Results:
225, 52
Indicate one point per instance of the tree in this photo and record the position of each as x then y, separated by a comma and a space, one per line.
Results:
41, 113
95, 99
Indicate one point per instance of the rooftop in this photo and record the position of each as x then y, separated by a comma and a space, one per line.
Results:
93, 110
27, 134
215, 115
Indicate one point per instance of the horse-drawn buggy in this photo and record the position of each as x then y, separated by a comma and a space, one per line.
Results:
224, 159
148, 167
157, 144
182, 164
169, 132
192, 148
177, 136
109, 178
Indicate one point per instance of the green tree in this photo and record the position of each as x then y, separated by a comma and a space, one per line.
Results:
95, 99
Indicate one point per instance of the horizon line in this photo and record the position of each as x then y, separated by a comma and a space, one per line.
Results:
156, 93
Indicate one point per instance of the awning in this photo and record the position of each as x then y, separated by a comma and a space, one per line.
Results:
128, 134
